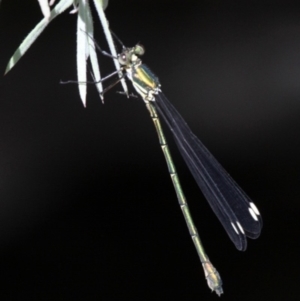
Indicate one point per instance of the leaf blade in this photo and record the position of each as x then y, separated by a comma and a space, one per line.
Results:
34, 34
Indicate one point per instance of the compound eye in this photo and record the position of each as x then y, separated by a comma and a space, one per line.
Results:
123, 59
139, 50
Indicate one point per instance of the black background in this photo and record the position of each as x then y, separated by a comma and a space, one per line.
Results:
87, 208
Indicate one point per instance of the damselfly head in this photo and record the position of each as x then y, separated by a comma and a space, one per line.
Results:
130, 56
139, 50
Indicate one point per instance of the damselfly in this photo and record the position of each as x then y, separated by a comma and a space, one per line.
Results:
238, 215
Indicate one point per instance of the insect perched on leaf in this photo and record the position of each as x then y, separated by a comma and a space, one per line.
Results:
236, 212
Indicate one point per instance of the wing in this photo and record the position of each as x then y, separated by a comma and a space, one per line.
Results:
238, 215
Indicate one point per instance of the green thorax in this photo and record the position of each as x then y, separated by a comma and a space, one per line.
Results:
144, 81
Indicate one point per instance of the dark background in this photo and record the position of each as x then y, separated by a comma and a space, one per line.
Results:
87, 208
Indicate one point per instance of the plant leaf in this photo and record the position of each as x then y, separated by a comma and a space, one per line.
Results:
33, 35
110, 41
103, 3
45, 8
92, 51
82, 50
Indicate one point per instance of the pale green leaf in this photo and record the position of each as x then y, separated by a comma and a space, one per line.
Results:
102, 3
110, 42
33, 35
45, 8
92, 51
82, 50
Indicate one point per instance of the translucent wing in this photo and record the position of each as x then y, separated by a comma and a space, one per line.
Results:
238, 215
